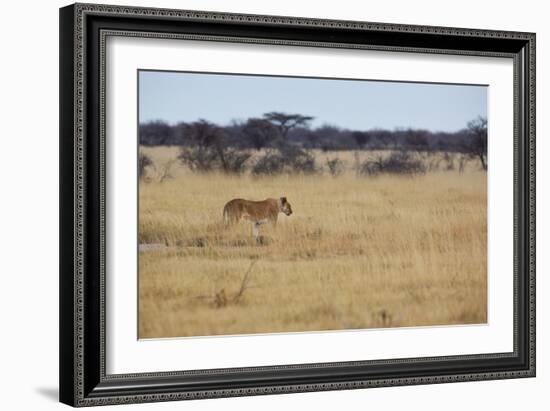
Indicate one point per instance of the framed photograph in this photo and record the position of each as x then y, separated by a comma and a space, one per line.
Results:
262, 204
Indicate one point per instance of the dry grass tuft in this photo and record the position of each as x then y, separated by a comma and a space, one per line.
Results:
220, 299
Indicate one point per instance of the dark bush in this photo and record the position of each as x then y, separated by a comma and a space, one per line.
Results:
270, 163
335, 166
234, 161
286, 158
209, 150
397, 163
200, 159
297, 159
211, 158
144, 161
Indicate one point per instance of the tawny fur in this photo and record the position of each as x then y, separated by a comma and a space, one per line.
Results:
256, 212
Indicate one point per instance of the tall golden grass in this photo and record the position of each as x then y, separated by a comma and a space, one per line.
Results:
358, 252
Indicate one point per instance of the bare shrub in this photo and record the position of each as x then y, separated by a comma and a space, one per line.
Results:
234, 161
199, 158
210, 150
356, 163
203, 159
449, 162
299, 160
396, 163
335, 166
463, 159
165, 172
434, 162
269, 164
286, 158
144, 161
476, 144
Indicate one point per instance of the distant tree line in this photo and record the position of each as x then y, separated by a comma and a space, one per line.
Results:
258, 133
287, 141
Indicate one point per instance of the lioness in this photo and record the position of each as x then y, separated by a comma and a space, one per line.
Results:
257, 212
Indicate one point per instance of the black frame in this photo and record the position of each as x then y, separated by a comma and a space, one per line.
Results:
83, 30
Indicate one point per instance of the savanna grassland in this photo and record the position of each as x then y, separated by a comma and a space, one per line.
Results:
358, 252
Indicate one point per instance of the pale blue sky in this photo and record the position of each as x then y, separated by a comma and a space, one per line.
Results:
354, 104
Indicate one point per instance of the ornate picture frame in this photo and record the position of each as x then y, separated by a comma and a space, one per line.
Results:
84, 30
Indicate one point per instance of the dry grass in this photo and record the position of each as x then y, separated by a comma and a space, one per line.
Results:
357, 253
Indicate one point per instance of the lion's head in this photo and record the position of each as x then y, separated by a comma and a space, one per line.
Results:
285, 206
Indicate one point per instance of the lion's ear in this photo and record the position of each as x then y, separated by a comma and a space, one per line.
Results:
283, 200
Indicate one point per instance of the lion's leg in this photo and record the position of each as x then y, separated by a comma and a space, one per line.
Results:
273, 221
256, 229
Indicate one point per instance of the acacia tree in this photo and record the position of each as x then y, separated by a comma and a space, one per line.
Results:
476, 144
286, 122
